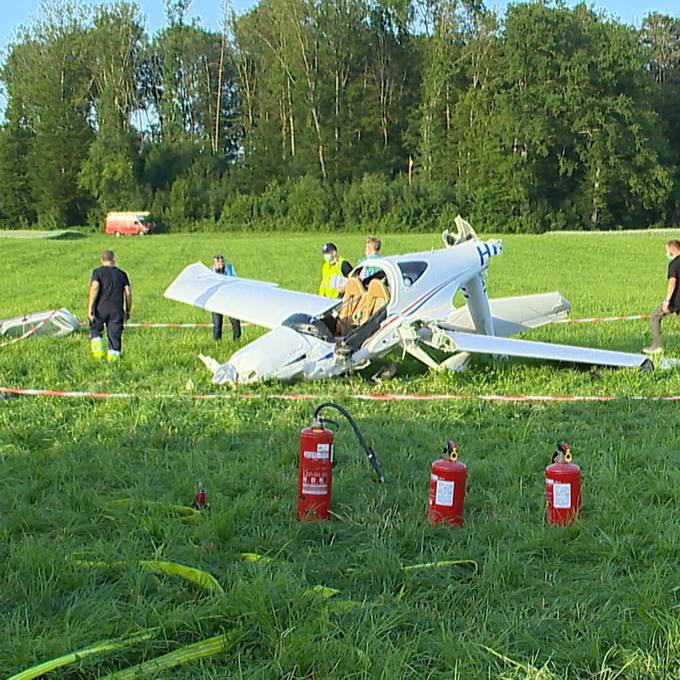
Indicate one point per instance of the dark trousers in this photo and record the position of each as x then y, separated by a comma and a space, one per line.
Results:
218, 319
657, 315
113, 319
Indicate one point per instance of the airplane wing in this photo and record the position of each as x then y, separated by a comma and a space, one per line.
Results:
486, 344
513, 315
257, 302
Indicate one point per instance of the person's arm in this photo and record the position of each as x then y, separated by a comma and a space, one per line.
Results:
91, 299
672, 282
341, 281
128, 301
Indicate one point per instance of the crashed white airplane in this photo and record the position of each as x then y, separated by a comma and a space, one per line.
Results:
408, 304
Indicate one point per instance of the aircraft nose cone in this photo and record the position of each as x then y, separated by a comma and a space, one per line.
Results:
226, 373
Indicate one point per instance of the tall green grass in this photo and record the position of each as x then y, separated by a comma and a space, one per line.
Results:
598, 600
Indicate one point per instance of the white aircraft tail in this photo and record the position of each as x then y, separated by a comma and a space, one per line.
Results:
464, 232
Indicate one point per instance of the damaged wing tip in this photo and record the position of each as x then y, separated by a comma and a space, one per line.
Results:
225, 374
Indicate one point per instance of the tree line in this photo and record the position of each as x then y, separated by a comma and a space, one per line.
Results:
325, 114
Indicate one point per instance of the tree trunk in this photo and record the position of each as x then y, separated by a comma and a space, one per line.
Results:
220, 75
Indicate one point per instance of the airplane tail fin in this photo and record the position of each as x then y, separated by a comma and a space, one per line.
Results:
464, 232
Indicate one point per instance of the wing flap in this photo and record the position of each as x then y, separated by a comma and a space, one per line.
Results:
257, 302
485, 344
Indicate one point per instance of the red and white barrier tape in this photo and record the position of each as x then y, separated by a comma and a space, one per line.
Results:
30, 331
168, 325
509, 398
604, 319
502, 398
29, 392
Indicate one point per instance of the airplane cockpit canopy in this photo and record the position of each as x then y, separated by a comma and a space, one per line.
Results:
309, 325
412, 271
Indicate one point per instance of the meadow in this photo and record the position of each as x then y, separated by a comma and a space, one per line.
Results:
599, 600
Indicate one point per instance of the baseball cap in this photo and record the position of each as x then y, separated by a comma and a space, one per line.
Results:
328, 247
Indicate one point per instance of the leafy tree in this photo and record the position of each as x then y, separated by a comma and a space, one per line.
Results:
189, 67
16, 208
49, 76
569, 132
318, 113
111, 170
660, 37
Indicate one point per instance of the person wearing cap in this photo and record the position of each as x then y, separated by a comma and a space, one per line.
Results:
219, 266
109, 304
334, 272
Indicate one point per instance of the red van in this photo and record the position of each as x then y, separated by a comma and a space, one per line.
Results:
118, 223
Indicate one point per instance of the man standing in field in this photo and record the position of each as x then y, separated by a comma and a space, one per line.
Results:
219, 266
671, 304
334, 272
109, 304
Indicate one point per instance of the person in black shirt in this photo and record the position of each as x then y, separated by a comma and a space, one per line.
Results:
109, 304
671, 305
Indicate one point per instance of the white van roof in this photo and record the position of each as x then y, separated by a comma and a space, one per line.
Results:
127, 215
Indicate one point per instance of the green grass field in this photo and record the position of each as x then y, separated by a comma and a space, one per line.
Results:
600, 600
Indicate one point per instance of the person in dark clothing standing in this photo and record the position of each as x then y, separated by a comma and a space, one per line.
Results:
109, 304
671, 305
225, 269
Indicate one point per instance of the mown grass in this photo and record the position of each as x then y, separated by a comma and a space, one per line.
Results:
599, 600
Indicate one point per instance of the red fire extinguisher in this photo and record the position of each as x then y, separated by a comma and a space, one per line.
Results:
447, 488
201, 498
315, 468
563, 487
315, 473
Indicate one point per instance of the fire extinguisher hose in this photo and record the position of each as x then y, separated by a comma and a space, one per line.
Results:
372, 459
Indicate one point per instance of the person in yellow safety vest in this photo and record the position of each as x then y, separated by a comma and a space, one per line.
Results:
334, 272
